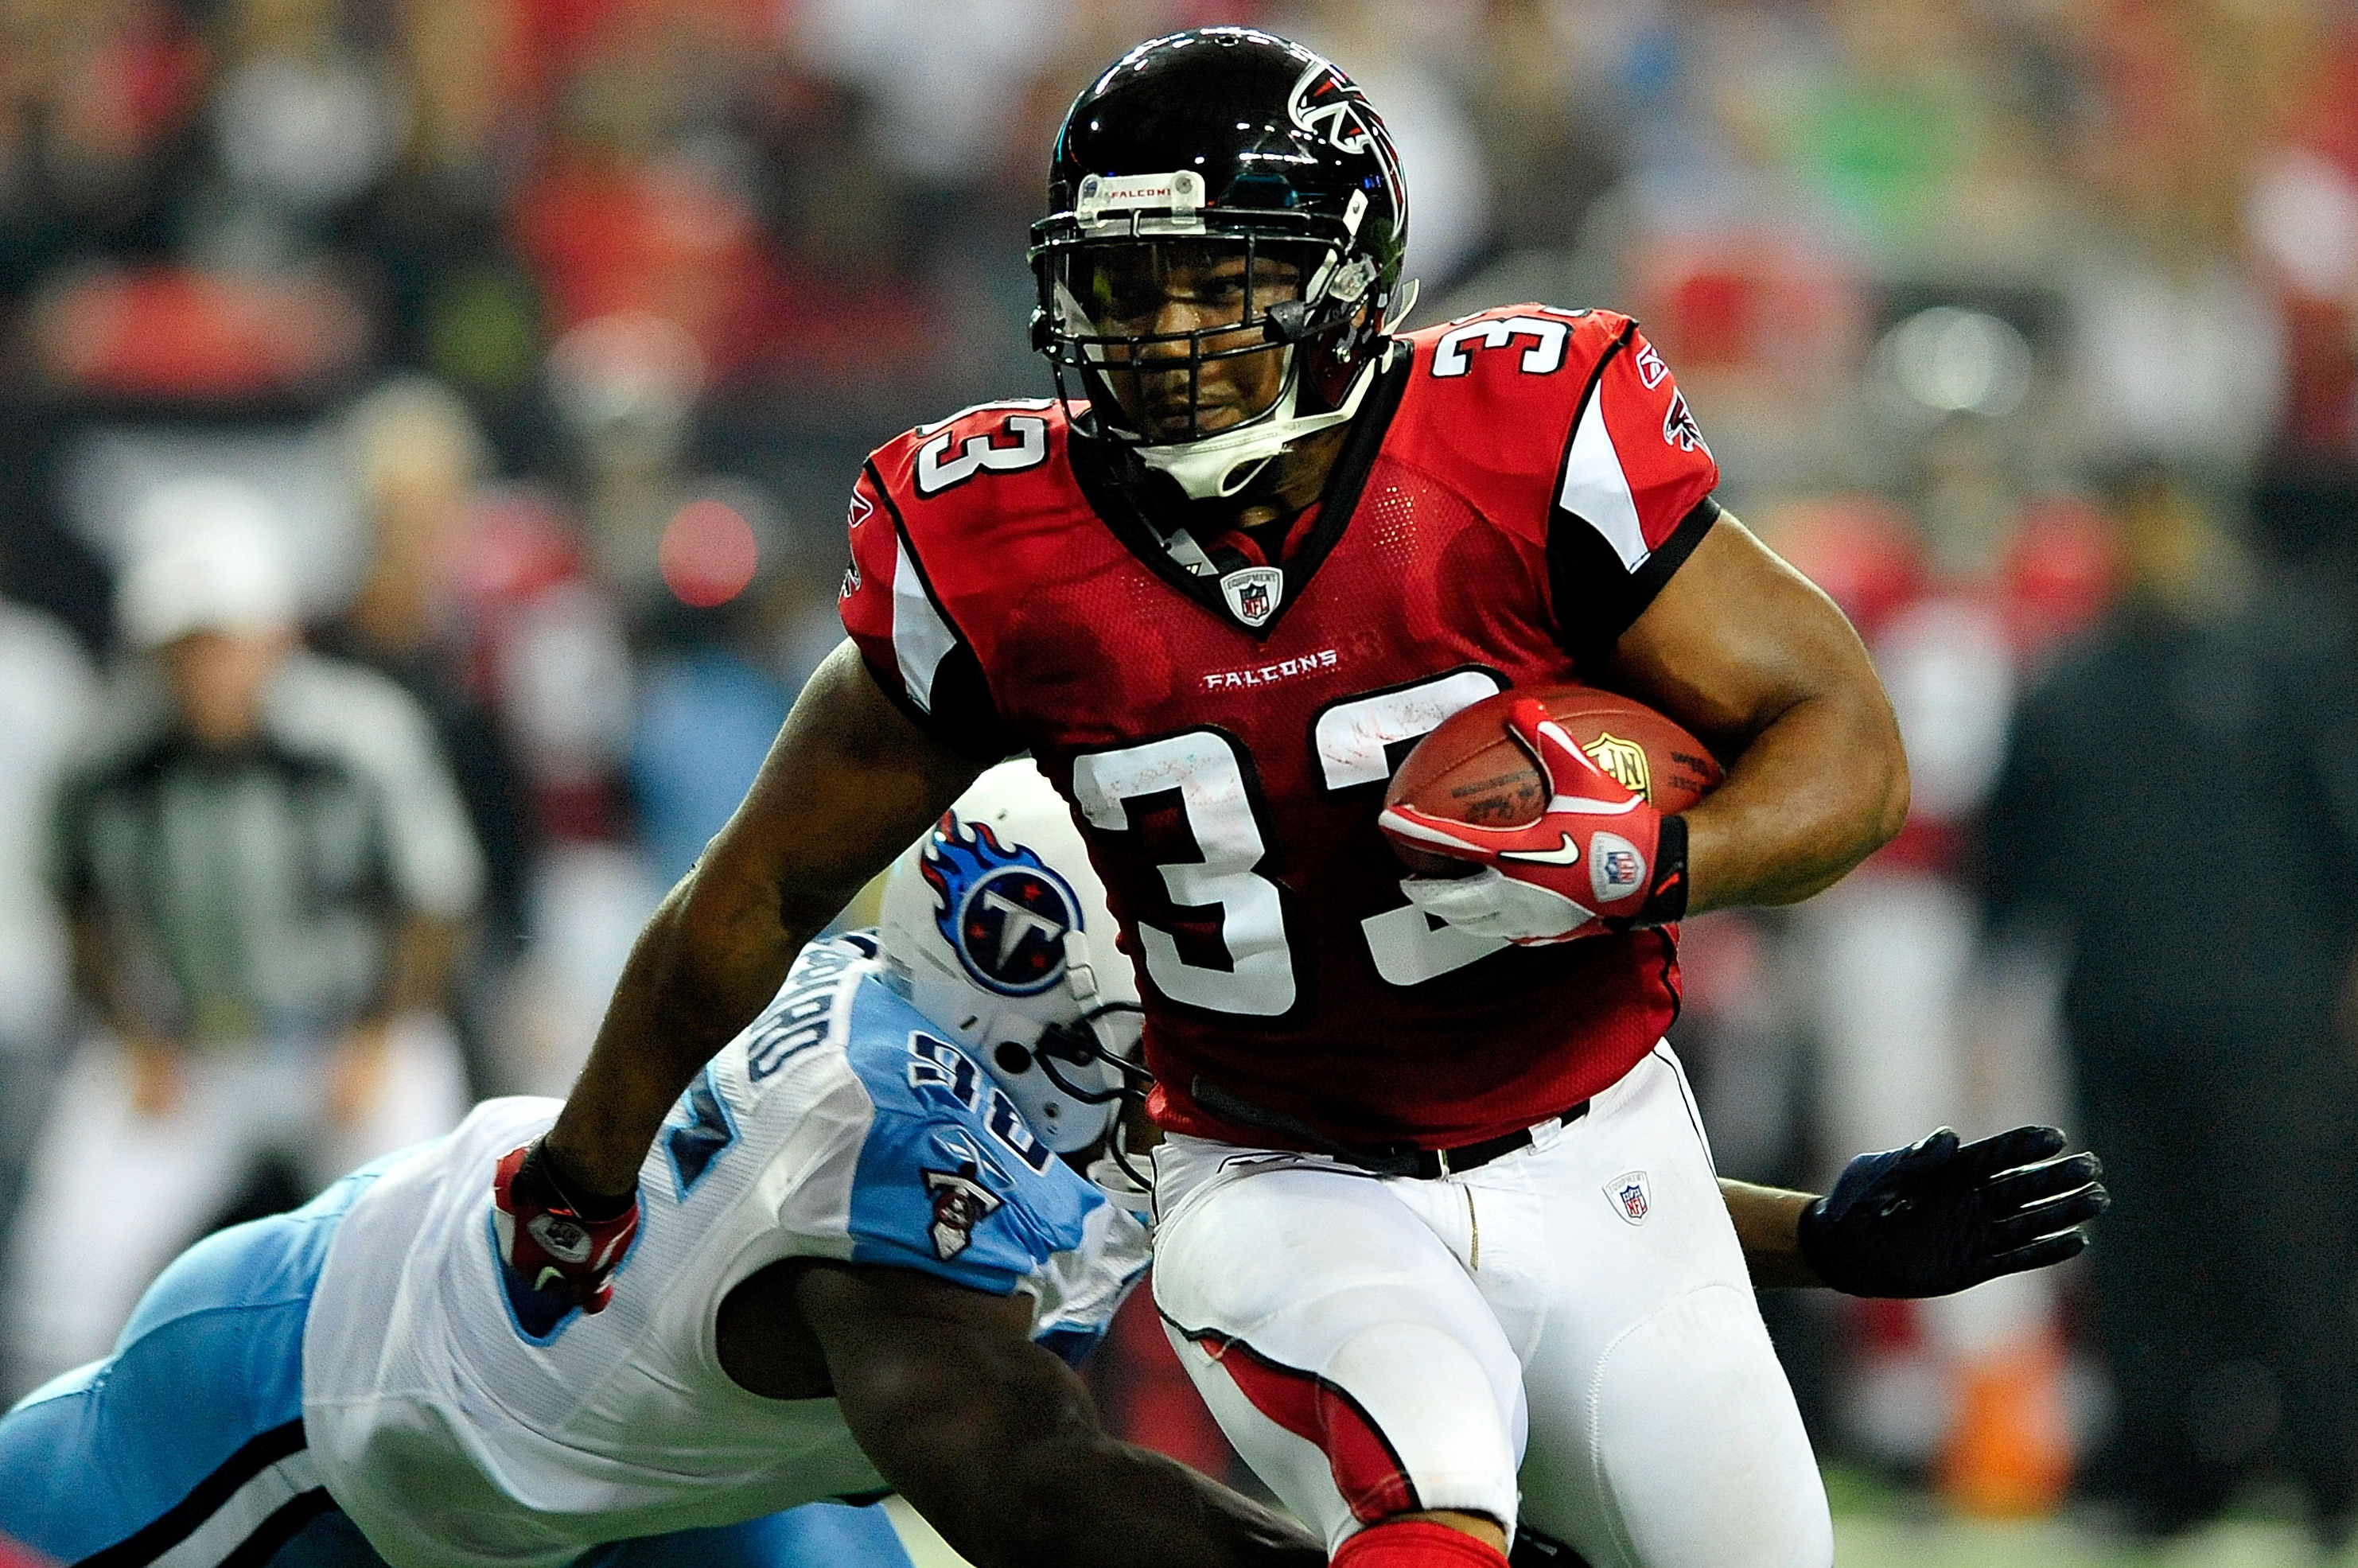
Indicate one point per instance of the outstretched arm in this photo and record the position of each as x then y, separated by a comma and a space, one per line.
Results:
996, 1442
1768, 1224
849, 783
1936, 1218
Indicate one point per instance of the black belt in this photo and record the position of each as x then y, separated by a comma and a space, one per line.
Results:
1426, 1164
1431, 1163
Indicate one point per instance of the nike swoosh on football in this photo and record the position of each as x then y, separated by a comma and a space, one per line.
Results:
1564, 854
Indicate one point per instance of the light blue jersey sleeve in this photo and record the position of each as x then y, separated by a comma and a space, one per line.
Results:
950, 1180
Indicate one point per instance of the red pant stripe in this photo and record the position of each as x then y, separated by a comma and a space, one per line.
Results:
1367, 1472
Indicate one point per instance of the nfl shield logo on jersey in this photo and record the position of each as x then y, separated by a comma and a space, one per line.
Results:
1003, 912
1253, 592
961, 1203
1632, 1200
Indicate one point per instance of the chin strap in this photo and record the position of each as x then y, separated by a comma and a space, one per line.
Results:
1218, 467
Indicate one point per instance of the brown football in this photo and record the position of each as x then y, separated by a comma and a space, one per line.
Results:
1471, 769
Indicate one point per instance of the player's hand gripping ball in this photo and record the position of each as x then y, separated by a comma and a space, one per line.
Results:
1541, 815
1941, 1216
555, 1256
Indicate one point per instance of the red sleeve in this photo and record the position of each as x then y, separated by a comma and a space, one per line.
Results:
908, 641
1633, 499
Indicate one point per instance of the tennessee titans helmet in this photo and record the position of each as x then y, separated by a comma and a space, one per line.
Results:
1221, 139
994, 925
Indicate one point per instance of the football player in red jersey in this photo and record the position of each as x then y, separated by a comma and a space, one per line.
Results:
1439, 1234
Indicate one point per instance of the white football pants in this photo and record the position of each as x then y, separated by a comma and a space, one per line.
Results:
111, 1195
1566, 1334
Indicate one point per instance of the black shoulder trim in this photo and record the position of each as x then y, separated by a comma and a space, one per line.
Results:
1597, 599
1673, 553
963, 716
972, 746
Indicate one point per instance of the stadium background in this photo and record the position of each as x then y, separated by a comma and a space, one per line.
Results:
552, 333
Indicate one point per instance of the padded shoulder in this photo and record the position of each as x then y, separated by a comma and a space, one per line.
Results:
950, 1180
1497, 394
945, 521
958, 467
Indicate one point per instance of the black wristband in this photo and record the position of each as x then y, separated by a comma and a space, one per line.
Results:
541, 1161
1666, 900
1809, 1239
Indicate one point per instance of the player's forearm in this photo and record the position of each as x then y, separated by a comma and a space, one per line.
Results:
849, 783
1817, 791
1768, 1225
998, 1445
1153, 1510
708, 960
1079, 1499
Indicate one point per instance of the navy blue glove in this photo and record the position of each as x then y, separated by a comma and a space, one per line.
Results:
1939, 1217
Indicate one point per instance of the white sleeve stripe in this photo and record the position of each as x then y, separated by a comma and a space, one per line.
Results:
1596, 490
921, 638
244, 1513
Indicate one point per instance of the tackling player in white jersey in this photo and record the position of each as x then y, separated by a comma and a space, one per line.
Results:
861, 1264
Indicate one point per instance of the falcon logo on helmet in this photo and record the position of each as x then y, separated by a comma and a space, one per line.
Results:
1003, 911
1325, 100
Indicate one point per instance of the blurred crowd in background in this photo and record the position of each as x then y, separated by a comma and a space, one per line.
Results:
423, 445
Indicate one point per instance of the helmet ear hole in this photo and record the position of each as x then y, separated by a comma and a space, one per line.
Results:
1011, 1058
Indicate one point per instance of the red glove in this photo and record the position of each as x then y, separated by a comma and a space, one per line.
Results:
555, 1257
1598, 858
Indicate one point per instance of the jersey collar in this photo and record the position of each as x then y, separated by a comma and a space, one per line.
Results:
1180, 560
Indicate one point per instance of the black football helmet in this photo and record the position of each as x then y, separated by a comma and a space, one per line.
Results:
1204, 145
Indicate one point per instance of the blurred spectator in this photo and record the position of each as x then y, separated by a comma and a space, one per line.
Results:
44, 696
418, 461
266, 868
708, 710
2175, 804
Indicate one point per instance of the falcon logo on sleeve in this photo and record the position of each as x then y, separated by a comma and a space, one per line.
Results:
1679, 427
1650, 368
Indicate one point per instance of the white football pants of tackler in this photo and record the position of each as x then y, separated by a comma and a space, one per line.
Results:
112, 1194
1567, 1334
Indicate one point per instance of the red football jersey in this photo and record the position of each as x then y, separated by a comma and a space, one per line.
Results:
1517, 487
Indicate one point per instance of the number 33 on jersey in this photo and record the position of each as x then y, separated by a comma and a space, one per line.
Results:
1518, 487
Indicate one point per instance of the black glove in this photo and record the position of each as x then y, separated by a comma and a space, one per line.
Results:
1936, 1217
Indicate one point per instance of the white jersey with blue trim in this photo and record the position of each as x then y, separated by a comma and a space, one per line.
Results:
459, 1429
